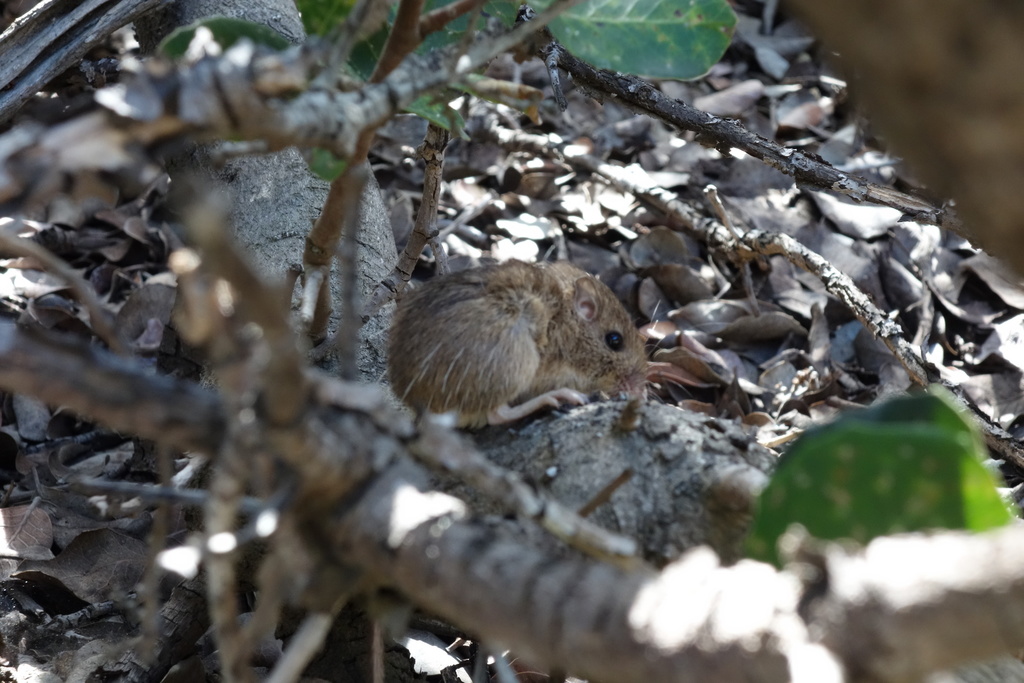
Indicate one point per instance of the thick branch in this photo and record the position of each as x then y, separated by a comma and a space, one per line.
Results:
53, 36
584, 617
694, 621
111, 390
906, 606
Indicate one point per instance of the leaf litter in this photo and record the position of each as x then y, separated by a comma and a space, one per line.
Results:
777, 357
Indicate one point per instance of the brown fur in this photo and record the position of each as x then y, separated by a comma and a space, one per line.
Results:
496, 335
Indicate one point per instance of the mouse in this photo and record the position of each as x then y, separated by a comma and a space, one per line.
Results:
496, 343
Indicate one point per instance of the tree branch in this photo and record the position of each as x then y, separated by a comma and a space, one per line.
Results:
47, 39
115, 391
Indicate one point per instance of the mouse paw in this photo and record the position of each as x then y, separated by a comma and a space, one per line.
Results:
550, 399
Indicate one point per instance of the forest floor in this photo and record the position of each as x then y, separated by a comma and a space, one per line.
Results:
762, 343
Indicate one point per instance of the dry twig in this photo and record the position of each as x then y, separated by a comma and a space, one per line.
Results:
101, 320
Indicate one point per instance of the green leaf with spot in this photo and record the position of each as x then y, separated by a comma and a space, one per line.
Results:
910, 464
226, 31
653, 38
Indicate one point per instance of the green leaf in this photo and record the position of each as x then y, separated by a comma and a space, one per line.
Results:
910, 464
366, 53
326, 165
226, 31
439, 113
453, 32
320, 16
653, 38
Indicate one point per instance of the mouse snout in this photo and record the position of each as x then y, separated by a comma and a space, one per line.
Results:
635, 383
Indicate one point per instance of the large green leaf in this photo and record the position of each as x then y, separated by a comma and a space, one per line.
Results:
910, 464
654, 38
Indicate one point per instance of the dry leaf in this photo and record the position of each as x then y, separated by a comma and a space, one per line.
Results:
96, 566
27, 533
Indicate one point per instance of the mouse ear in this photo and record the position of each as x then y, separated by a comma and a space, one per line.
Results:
585, 301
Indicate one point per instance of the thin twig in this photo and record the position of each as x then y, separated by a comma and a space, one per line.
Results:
358, 24
150, 493
403, 38
603, 496
437, 19
101, 321
284, 387
302, 647
219, 519
643, 97
711, 192
149, 589
348, 265
425, 227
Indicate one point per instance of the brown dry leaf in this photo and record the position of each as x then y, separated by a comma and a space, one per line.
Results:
53, 311
903, 289
32, 417
732, 101
27, 533
841, 145
1000, 279
764, 327
695, 406
974, 312
651, 301
863, 221
657, 247
96, 566
1006, 341
696, 370
679, 283
779, 378
710, 316
74, 514
799, 114
136, 228
151, 338
819, 344
29, 284
87, 142
116, 251
149, 302
673, 374
789, 38
527, 227
999, 395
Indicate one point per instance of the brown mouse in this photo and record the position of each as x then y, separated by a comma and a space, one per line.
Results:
496, 343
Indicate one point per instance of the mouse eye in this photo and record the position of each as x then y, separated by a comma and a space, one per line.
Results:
614, 340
